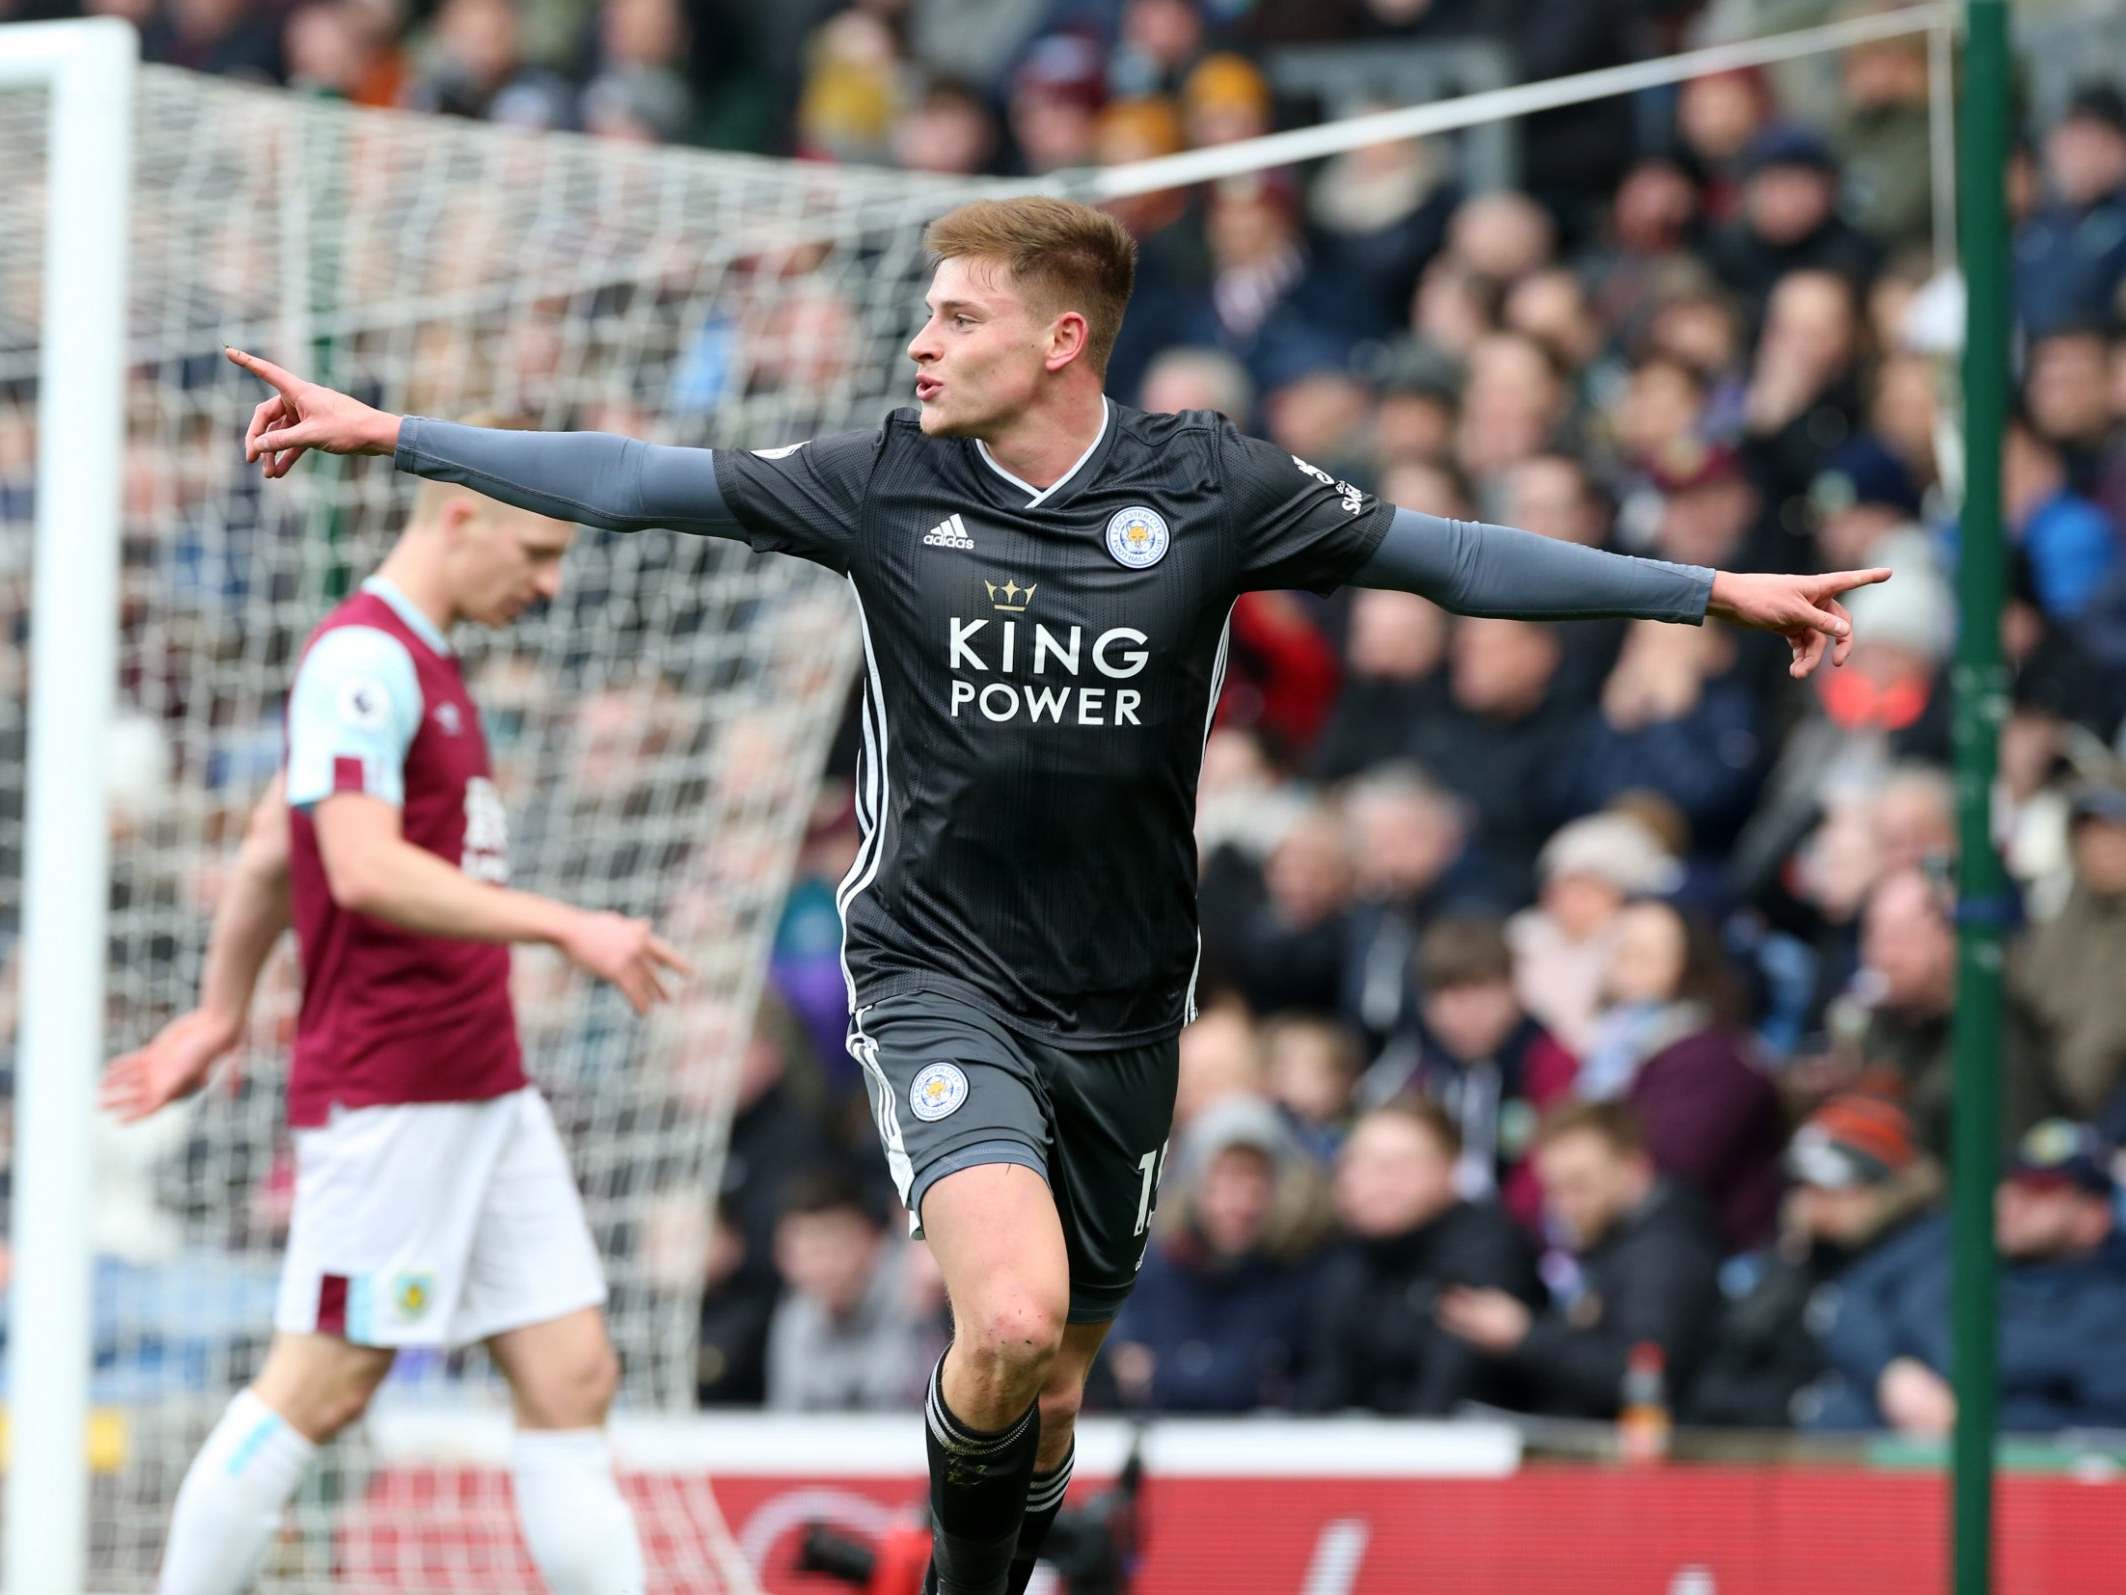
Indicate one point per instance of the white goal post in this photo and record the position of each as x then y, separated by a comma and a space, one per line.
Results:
88, 70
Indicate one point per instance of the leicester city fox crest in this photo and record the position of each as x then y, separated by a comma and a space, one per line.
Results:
937, 1091
1137, 536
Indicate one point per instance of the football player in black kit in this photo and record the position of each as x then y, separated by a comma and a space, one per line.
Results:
1043, 579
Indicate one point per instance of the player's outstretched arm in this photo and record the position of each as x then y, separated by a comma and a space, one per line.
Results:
595, 478
370, 868
1476, 569
249, 919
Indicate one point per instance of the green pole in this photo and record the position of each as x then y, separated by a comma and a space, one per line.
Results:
1981, 704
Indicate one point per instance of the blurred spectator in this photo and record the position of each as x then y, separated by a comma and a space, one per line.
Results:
948, 130
1224, 99
853, 87
1859, 1183
1496, 741
2062, 1306
1885, 139
1803, 400
1284, 313
2072, 545
1564, 944
1477, 1053
1393, 654
1908, 986
1056, 96
2067, 970
1789, 219
1311, 1066
844, 1338
477, 68
1666, 1042
1409, 845
1644, 1270
1718, 115
1375, 1342
229, 37
1217, 1321
1863, 496
2067, 396
1198, 379
1676, 718
2070, 257
1282, 942
1383, 211
1220, 1057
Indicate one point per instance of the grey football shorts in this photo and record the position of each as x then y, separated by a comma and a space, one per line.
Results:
952, 1088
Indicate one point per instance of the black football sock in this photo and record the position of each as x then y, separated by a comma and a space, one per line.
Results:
1044, 1499
978, 1487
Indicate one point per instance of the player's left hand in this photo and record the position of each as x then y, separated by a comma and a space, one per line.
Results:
169, 1068
1488, 1319
1803, 609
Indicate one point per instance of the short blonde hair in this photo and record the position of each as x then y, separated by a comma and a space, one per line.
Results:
1063, 254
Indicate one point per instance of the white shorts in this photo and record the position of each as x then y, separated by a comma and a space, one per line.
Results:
435, 1224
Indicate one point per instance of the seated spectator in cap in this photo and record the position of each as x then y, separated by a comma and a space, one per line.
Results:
1420, 402
1860, 1181
1055, 102
844, 1338
2070, 257
1863, 495
1173, 257
2074, 548
1563, 945
1789, 219
1644, 1269
1410, 847
1668, 1042
1476, 1051
1225, 99
1374, 1341
1218, 1319
1676, 717
2062, 1306
2067, 971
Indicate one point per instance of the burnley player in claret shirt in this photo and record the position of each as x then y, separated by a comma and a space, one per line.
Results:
434, 1203
1042, 578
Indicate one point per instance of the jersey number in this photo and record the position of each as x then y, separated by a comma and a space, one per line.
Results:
1149, 1166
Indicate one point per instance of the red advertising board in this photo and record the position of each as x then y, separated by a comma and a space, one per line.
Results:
1669, 1530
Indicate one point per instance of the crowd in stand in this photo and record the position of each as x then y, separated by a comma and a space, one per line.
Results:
1569, 989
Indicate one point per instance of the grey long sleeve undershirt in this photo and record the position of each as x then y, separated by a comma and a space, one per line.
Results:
1476, 569
623, 485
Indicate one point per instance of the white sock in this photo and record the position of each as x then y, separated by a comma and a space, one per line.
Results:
229, 1507
579, 1530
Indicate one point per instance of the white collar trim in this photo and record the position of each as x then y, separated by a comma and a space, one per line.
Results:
402, 606
1040, 495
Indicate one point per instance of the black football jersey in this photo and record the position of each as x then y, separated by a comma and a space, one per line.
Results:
1040, 673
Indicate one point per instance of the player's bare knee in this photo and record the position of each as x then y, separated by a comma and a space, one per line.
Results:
575, 1394
1060, 1401
1013, 1340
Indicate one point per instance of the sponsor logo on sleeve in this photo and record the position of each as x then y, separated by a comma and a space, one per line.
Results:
364, 703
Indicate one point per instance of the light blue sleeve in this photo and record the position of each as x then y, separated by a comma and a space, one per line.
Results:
355, 707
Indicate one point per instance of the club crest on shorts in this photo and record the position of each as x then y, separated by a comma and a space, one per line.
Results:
411, 1294
937, 1090
1137, 536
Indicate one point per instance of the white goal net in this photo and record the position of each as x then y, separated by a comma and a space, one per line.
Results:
658, 733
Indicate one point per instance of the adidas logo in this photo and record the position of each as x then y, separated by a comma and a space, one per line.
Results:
950, 532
